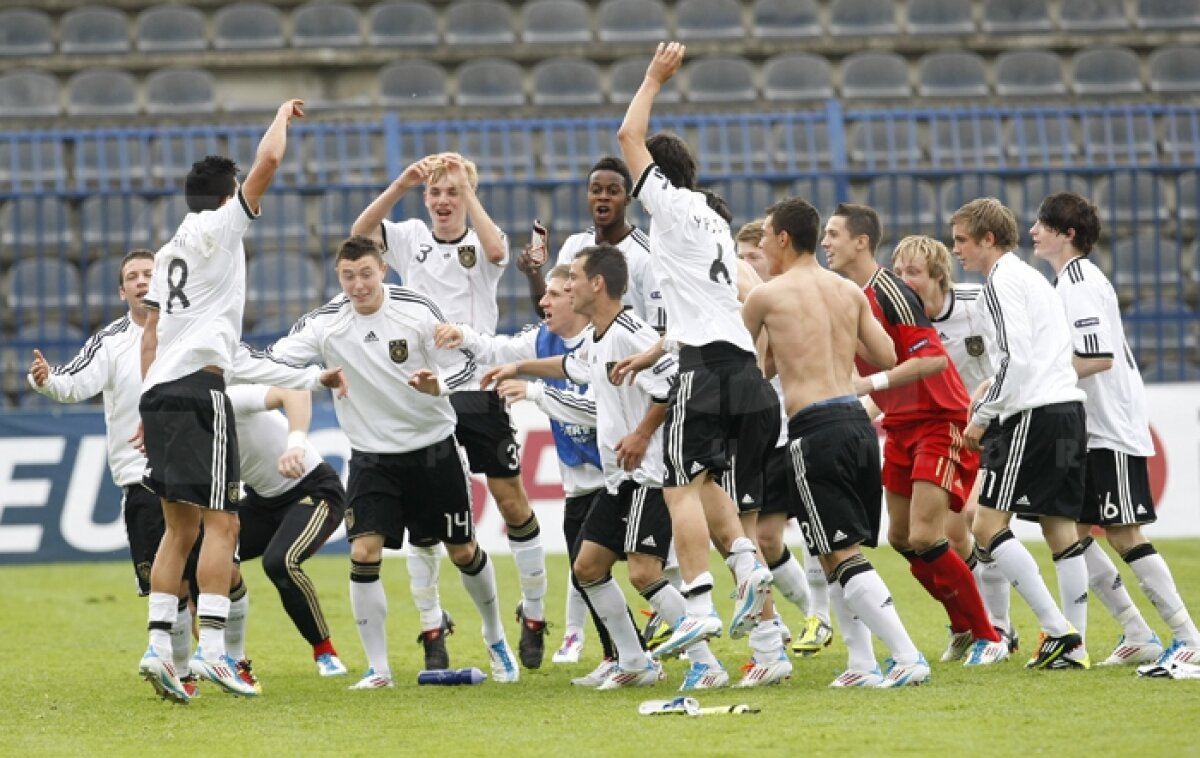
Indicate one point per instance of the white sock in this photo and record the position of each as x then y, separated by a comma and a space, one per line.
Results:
670, 606
213, 611
855, 633
869, 599
818, 588
577, 611
1105, 581
673, 575
742, 557
698, 603
791, 582
481, 586
235, 627
1073, 590
766, 644
369, 605
1154, 577
163, 609
1021, 570
530, 557
996, 593
609, 603
423, 570
181, 639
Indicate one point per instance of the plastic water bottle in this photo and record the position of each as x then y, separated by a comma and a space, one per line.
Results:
452, 676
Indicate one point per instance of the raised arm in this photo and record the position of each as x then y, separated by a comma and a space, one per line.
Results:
632, 134
495, 247
84, 377
297, 406
370, 220
270, 153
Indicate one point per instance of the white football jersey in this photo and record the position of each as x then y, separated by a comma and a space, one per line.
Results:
643, 293
1033, 343
1117, 418
966, 331
379, 353
620, 408
199, 289
695, 263
262, 438
110, 363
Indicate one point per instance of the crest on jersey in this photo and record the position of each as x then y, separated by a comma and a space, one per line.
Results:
143, 572
467, 256
398, 350
233, 492
974, 346
608, 371
349, 518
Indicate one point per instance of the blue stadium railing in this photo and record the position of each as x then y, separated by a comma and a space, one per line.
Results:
71, 201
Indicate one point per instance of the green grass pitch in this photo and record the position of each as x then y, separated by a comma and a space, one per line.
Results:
72, 636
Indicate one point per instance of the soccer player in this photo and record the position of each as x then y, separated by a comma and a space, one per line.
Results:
294, 501
1032, 460
926, 473
957, 312
405, 470
459, 267
1117, 496
805, 587
196, 298
723, 417
608, 196
815, 322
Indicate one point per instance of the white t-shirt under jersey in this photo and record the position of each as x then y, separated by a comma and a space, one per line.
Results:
966, 331
695, 264
379, 354
199, 289
262, 439
643, 293
620, 408
1117, 418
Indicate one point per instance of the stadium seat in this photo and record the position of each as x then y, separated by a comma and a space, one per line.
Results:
558, 22
1042, 139
969, 140
821, 192
490, 82
721, 80
45, 289
348, 155
479, 22
413, 84
169, 213
1092, 16
880, 143
336, 211
29, 93
1180, 138
102, 92
111, 161
797, 76
94, 29
774, 19
733, 147
748, 199
324, 24
498, 153
626, 76
402, 23
1175, 69
100, 299
1148, 262
956, 192
180, 90
31, 164
1016, 16
171, 28
708, 19
24, 31
1157, 332
863, 18
802, 146
940, 17
58, 341
875, 75
1188, 201
1169, 370
1029, 73
1171, 15
115, 223
280, 288
567, 81
284, 223
1037, 187
571, 149
1132, 199
173, 154
248, 26
632, 21
905, 205
512, 206
1106, 71
30, 225
568, 208
1119, 138
952, 73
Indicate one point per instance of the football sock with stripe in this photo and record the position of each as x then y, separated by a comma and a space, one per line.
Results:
163, 616
790, 580
369, 605
479, 579
423, 570
1154, 577
868, 598
1105, 581
818, 588
525, 541
235, 622
1021, 570
854, 632
958, 583
1072, 572
609, 602
212, 610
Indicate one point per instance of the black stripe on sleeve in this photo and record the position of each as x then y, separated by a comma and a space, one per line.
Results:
246, 206
88, 352
637, 188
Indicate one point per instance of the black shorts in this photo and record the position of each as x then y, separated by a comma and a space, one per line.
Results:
191, 442
723, 417
834, 453
320, 491
635, 520
144, 527
778, 487
486, 432
1033, 465
424, 492
575, 512
1117, 492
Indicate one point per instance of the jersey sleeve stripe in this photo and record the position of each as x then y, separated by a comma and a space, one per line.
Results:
403, 295
246, 206
993, 305
570, 400
333, 306
267, 355
637, 188
465, 374
91, 347
640, 237
895, 298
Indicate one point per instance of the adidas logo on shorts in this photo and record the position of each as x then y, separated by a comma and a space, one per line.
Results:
1141, 510
839, 535
1023, 500
747, 500
649, 541
696, 467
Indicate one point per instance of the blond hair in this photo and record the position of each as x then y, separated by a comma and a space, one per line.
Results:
439, 170
561, 271
931, 251
987, 214
751, 232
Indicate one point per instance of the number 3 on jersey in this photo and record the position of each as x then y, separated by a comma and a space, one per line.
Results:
177, 275
718, 268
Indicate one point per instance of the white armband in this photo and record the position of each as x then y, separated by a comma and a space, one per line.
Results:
879, 381
297, 439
